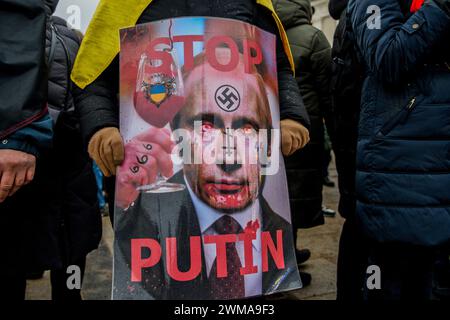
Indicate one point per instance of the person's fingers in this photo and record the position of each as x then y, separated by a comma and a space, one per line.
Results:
93, 147
142, 151
19, 181
99, 149
102, 165
151, 170
6, 184
14, 171
14, 190
296, 144
29, 174
118, 150
159, 136
113, 151
94, 152
163, 159
106, 154
132, 175
285, 149
98, 156
296, 133
305, 137
138, 172
104, 169
286, 144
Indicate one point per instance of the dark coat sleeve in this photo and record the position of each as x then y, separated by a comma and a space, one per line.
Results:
321, 70
97, 105
398, 47
22, 65
291, 102
32, 139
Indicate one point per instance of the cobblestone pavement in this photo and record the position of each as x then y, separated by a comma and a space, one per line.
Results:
322, 241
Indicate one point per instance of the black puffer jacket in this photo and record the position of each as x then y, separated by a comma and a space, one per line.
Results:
346, 96
312, 56
403, 150
97, 104
61, 57
75, 189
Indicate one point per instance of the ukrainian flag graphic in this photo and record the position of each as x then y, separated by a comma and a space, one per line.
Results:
158, 93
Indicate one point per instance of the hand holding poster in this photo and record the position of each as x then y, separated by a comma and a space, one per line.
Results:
201, 199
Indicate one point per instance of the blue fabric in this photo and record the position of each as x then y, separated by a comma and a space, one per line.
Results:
99, 180
31, 139
403, 153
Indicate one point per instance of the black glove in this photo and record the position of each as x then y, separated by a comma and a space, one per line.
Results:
444, 5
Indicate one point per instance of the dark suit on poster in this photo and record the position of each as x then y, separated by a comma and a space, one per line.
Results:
163, 215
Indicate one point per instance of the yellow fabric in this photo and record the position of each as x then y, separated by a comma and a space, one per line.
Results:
287, 48
101, 43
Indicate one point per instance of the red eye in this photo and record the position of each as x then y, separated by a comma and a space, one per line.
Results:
207, 126
248, 129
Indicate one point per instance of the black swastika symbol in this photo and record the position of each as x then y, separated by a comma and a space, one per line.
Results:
228, 98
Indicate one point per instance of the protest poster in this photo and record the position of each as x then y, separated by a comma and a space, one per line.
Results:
202, 207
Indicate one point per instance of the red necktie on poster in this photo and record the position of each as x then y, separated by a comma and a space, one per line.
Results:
416, 5
232, 286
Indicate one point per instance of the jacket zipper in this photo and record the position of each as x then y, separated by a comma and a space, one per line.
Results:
401, 117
